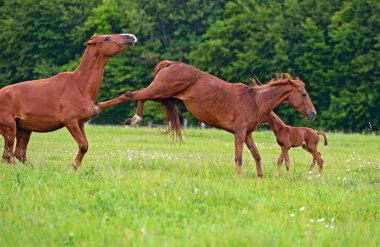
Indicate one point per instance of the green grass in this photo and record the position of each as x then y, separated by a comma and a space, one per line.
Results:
136, 188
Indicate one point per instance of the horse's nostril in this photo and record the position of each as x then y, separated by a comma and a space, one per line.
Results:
130, 37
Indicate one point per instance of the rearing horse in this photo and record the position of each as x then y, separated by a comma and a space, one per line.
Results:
236, 108
64, 100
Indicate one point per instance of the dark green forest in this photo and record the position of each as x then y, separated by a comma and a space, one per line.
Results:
332, 45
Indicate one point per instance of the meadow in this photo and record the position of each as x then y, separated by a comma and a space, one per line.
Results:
136, 187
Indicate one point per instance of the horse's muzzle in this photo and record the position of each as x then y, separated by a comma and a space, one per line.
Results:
311, 115
130, 39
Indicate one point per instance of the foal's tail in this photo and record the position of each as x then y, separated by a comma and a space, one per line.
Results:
324, 136
174, 126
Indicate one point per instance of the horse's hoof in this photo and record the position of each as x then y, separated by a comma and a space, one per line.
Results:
128, 121
134, 120
97, 110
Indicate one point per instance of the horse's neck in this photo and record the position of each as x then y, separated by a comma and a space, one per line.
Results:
268, 98
90, 72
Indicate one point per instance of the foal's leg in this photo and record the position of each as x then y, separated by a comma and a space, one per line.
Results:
77, 131
239, 140
320, 163
287, 163
255, 153
22, 140
281, 158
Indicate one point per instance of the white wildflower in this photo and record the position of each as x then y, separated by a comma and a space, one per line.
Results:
292, 215
302, 208
321, 220
196, 191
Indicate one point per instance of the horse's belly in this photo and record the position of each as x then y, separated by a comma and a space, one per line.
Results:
39, 124
209, 117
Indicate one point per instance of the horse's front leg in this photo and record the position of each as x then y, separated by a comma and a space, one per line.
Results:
255, 153
239, 140
77, 131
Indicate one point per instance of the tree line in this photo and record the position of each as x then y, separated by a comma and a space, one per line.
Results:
333, 46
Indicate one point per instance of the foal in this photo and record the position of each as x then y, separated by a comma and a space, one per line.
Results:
288, 137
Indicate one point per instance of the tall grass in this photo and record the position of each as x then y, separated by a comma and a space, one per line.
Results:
137, 188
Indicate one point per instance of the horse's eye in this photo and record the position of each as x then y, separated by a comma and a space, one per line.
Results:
304, 94
106, 38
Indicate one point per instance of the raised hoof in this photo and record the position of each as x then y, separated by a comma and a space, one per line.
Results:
128, 121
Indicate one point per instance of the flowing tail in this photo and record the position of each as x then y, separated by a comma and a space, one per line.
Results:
324, 136
174, 126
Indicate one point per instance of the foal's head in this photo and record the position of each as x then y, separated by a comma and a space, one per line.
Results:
109, 45
298, 97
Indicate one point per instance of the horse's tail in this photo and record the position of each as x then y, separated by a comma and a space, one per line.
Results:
324, 136
161, 65
174, 126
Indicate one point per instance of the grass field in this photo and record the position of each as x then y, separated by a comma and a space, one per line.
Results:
136, 188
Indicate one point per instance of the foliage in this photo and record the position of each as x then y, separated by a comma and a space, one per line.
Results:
333, 46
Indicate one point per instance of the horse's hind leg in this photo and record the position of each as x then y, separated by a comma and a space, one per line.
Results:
255, 153
142, 94
158, 89
22, 140
8, 131
138, 115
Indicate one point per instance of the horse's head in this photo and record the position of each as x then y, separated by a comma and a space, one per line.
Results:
109, 45
300, 100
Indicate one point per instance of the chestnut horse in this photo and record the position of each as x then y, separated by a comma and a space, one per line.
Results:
64, 100
288, 137
236, 108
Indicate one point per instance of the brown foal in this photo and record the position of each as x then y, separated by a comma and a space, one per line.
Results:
65, 100
288, 137
234, 107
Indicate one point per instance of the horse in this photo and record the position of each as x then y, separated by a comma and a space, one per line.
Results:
289, 136
64, 100
234, 107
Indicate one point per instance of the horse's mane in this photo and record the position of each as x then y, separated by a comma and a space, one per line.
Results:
280, 79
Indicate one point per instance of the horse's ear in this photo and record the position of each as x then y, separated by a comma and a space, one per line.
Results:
91, 41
